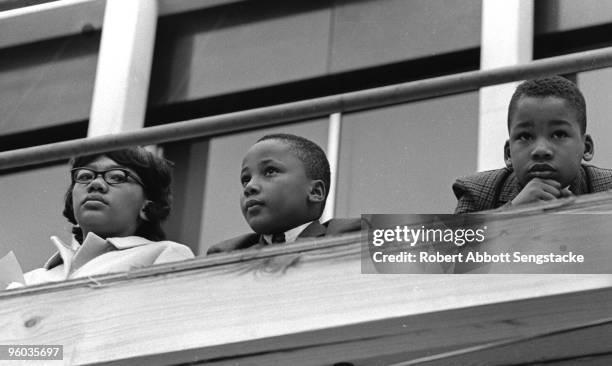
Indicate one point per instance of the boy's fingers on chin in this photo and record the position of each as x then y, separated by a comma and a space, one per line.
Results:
551, 182
551, 190
545, 183
547, 196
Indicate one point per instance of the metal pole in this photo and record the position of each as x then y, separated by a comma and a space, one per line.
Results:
124, 67
506, 40
333, 156
293, 112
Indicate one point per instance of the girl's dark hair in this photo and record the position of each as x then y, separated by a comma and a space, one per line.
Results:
155, 173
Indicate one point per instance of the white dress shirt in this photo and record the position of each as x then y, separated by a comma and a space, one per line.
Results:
99, 256
290, 235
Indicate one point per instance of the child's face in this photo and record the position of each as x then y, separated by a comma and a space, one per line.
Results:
107, 209
545, 140
275, 191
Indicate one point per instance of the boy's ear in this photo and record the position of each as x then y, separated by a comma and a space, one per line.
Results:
317, 191
589, 148
507, 159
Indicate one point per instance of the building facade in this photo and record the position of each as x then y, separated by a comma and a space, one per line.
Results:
223, 56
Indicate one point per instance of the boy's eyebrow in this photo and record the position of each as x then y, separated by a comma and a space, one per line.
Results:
268, 161
560, 122
262, 163
530, 123
523, 124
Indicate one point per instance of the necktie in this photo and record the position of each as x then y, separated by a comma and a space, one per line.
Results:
278, 238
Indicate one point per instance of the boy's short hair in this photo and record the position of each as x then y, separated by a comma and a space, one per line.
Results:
310, 154
551, 86
156, 175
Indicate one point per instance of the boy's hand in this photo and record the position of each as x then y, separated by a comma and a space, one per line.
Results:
539, 189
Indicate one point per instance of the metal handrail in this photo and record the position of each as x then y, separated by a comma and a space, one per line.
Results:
296, 111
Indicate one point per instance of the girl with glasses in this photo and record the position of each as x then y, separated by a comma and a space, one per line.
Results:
116, 202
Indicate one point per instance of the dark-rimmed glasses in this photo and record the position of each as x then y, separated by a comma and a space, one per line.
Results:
110, 176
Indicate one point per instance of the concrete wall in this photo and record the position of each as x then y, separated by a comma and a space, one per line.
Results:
596, 87
47, 83
564, 15
368, 33
404, 159
31, 211
253, 44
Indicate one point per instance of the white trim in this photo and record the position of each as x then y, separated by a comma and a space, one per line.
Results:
333, 155
124, 67
507, 39
38, 8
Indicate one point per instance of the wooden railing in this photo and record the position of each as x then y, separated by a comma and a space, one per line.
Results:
309, 304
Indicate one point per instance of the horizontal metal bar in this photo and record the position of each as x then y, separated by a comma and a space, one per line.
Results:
291, 112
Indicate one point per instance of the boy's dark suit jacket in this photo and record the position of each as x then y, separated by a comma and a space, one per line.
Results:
495, 188
316, 229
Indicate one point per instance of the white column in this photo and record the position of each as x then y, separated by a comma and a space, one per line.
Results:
507, 39
333, 155
124, 66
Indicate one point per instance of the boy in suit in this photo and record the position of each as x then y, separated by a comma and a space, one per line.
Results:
547, 142
285, 180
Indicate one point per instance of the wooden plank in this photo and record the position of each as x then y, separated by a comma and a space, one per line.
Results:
412, 340
309, 304
216, 313
553, 347
581, 234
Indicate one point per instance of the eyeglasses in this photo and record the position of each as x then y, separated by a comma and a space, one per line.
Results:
110, 176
